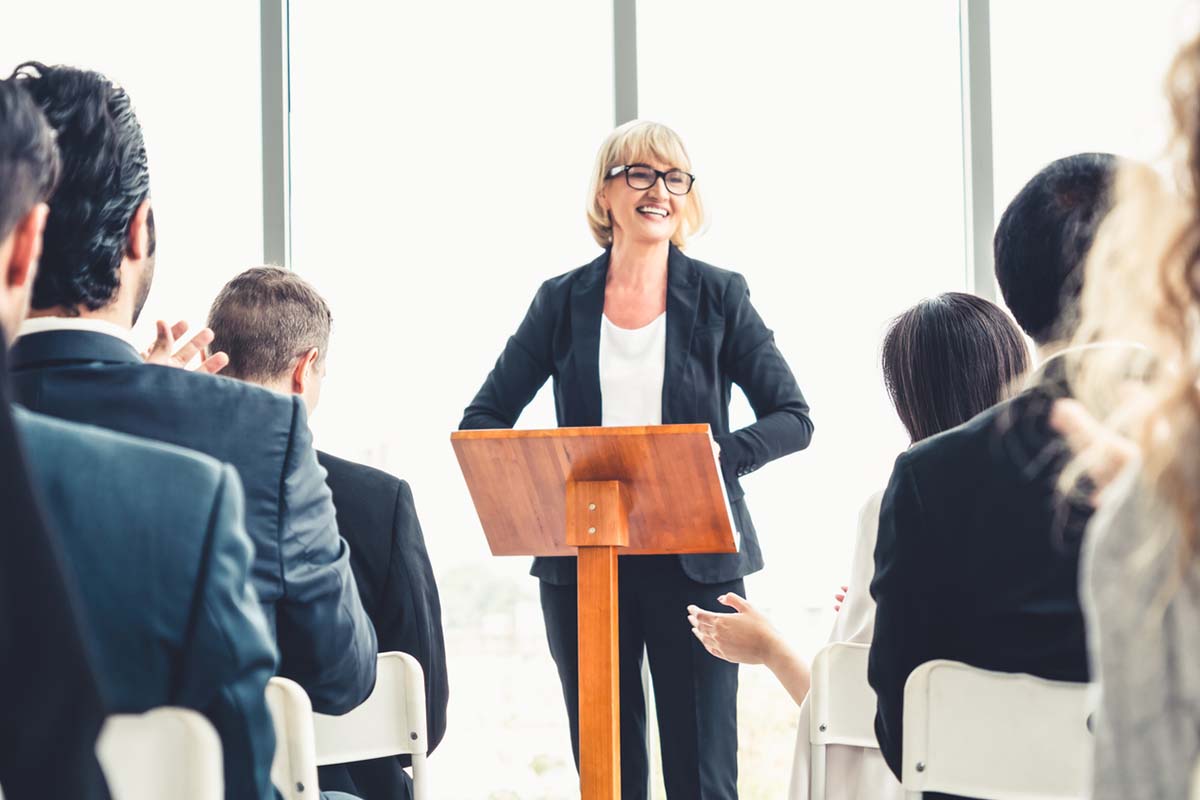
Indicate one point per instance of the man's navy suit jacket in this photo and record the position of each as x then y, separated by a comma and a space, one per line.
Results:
301, 567
377, 516
154, 539
53, 706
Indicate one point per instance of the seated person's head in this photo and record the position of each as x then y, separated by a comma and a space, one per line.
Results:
1043, 240
275, 329
947, 359
28, 170
98, 258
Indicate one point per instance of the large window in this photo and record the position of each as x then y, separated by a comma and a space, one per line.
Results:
440, 160
827, 141
200, 109
440, 155
1077, 75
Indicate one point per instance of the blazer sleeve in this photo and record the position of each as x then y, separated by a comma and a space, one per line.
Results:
520, 371
754, 363
903, 621
230, 655
410, 616
52, 701
326, 641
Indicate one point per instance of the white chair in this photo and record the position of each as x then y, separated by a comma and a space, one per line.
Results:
390, 722
841, 706
165, 752
294, 768
995, 735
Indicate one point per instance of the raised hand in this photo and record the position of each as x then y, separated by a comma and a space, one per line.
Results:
743, 637
1109, 451
747, 637
163, 351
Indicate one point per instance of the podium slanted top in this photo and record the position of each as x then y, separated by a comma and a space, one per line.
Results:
669, 476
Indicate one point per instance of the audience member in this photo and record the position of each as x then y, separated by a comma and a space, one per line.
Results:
976, 558
275, 329
73, 360
944, 361
153, 539
53, 708
1140, 576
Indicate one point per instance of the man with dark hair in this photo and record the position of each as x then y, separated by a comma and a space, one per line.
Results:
186, 630
275, 328
977, 558
73, 360
53, 709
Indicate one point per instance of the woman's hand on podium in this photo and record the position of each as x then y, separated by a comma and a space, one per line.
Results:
746, 636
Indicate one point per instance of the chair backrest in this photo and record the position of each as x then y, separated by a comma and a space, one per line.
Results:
294, 768
389, 722
995, 735
840, 699
841, 706
165, 752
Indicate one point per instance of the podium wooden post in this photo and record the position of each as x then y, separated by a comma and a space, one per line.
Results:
597, 492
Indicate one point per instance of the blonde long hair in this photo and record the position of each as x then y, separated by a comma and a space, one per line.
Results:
1142, 285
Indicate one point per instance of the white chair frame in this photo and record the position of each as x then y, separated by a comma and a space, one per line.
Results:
995, 735
165, 752
389, 722
841, 706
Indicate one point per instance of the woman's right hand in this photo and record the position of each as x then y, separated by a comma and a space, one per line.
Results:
743, 637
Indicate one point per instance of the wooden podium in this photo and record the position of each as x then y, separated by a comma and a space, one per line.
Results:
597, 492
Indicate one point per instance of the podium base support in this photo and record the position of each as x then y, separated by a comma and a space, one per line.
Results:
599, 676
598, 524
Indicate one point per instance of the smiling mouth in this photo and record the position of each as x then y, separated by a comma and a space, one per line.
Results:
653, 211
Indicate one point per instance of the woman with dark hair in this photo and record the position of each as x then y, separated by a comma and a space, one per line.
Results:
945, 360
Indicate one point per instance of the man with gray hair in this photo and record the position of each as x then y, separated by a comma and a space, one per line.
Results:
275, 329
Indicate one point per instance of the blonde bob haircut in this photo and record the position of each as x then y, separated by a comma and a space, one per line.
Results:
639, 142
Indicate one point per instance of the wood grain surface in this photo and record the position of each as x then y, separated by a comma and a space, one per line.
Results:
669, 475
599, 675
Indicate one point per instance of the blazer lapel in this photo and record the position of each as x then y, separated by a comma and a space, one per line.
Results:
587, 305
683, 296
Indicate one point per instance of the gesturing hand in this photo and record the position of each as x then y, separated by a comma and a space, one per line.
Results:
163, 351
1082, 432
743, 637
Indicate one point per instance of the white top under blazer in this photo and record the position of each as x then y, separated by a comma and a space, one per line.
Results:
631, 372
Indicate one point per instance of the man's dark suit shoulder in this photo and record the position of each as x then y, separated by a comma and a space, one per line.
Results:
377, 516
357, 477
301, 568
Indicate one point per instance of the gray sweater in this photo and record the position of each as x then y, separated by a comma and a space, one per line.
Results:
1143, 620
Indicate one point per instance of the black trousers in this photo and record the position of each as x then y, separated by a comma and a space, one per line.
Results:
695, 693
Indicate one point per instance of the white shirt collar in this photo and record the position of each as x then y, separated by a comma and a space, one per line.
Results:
43, 324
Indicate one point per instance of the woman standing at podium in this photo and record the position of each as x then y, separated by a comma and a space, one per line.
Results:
645, 335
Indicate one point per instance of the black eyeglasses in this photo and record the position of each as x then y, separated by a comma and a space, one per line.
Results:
641, 176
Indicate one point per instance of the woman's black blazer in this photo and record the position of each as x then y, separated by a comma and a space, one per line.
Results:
715, 339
